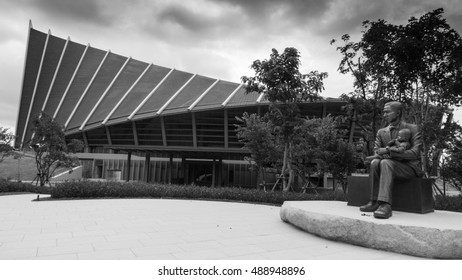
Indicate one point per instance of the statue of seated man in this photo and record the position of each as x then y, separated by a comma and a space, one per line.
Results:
392, 162
398, 145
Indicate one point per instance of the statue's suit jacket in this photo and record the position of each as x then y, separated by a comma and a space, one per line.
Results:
411, 156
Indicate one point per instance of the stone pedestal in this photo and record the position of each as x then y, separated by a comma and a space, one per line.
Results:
412, 195
434, 235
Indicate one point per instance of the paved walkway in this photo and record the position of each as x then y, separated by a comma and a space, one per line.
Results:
157, 229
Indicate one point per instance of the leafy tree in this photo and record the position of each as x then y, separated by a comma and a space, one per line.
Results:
51, 149
284, 86
319, 146
6, 141
452, 164
333, 153
419, 64
256, 134
307, 148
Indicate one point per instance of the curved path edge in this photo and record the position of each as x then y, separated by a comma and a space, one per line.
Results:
433, 235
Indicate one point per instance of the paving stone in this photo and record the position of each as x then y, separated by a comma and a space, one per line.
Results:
47, 236
23, 253
143, 252
143, 229
210, 254
62, 250
200, 245
29, 244
127, 236
103, 232
245, 250
118, 244
55, 257
6, 237
80, 240
119, 254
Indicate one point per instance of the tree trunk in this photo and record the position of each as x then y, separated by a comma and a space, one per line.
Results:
290, 172
435, 162
291, 179
371, 142
260, 177
285, 166
42, 178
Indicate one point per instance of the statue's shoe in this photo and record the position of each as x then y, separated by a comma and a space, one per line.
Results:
383, 212
371, 206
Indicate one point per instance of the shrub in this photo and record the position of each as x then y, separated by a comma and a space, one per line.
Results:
12, 187
449, 203
105, 189
101, 189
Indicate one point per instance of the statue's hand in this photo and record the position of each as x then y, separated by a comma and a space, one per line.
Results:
386, 156
383, 151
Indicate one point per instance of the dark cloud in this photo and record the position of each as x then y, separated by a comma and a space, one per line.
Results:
271, 15
188, 19
215, 20
81, 11
347, 16
195, 24
288, 9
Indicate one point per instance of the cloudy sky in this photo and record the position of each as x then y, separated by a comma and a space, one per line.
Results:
215, 38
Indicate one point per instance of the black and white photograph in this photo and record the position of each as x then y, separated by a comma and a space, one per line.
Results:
271, 139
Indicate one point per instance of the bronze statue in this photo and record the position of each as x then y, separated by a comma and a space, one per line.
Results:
399, 145
397, 161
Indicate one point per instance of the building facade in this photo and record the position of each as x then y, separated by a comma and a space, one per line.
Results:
148, 122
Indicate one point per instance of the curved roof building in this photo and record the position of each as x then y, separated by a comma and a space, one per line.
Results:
114, 102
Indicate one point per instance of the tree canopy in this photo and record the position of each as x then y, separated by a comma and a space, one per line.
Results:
280, 80
414, 62
282, 138
51, 149
419, 64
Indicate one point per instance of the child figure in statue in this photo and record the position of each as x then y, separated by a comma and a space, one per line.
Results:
398, 145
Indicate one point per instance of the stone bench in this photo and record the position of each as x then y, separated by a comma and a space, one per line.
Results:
411, 195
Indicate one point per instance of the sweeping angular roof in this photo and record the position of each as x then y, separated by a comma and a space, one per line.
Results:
83, 87
86, 89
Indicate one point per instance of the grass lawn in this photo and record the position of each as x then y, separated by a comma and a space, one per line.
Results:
23, 169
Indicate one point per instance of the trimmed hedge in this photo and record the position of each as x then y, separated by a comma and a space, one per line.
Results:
14, 187
104, 189
107, 189
449, 203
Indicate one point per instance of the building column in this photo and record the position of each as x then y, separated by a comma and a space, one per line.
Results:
183, 170
147, 167
129, 161
170, 169
214, 169
220, 172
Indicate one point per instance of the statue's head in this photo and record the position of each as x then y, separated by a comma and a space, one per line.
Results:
404, 135
393, 111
